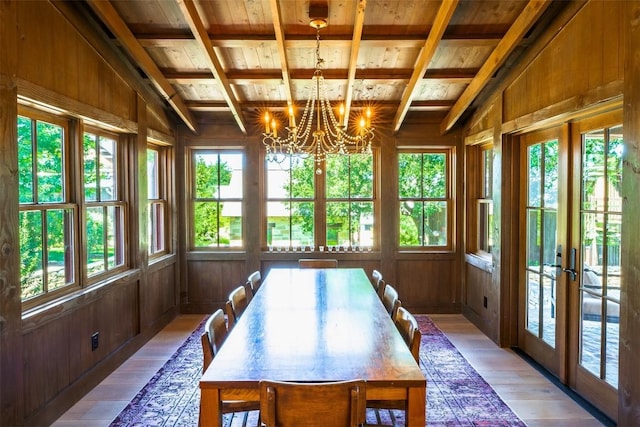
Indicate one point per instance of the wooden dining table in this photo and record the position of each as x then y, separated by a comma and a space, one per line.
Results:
314, 325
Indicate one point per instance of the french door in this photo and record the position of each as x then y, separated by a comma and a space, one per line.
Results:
543, 246
569, 254
596, 233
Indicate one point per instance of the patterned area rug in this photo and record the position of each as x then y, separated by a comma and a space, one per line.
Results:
457, 396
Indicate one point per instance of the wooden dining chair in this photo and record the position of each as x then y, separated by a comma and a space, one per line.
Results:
235, 305
408, 327
215, 333
391, 300
336, 404
378, 282
317, 263
254, 279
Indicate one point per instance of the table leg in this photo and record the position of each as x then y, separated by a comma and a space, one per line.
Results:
210, 414
417, 407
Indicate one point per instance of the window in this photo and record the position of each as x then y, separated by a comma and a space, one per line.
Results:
104, 208
425, 199
349, 207
47, 230
156, 193
290, 201
217, 177
333, 208
485, 201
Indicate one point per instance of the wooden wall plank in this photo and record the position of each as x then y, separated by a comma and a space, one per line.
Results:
45, 61
11, 348
577, 61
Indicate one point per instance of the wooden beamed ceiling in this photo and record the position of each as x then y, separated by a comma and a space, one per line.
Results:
240, 56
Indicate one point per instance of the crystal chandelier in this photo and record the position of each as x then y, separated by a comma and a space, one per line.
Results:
329, 135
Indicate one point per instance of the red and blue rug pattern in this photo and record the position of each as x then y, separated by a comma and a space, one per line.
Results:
457, 396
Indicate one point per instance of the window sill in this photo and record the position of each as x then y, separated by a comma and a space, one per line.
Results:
483, 261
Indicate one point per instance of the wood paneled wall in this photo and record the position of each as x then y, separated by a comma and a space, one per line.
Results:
427, 282
49, 55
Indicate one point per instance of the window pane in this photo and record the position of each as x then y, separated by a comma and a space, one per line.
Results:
207, 175
95, 240
614, 170
25, 160
278, 224
485, 226
592, 172
230, 233
362, 224
108, 159
231, 176
206, 224
435, 224
115, 237
278, 177
156, 228
535, 174
302, 224
551, 174
50, 163
338, 224
90, 167
411, 223
153, 175
337, 182
487, 173
434, 176
59, 248
410, 175
290, 176
302, 177
31, 254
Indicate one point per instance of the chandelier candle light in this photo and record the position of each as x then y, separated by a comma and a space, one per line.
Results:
330, 135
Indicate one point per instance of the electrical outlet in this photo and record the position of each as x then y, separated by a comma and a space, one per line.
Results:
484, 302
94, 341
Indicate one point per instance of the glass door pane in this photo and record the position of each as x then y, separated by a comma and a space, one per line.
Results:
600, 224
541, 238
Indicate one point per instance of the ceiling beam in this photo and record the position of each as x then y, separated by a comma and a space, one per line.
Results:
276, 16
530, 14
295, 41
119, 28
220, 106
192, 17
262, 76
445, 12
353, 59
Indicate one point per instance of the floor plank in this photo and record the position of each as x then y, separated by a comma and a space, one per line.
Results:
537, 401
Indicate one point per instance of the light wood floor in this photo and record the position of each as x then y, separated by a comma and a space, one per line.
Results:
537, 401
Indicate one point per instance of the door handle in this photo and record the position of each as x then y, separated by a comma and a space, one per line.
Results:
572, 265
572, 273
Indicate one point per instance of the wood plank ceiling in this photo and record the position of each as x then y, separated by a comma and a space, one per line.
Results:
239, 57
